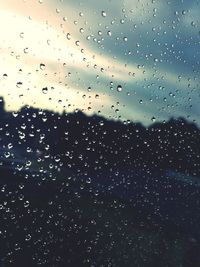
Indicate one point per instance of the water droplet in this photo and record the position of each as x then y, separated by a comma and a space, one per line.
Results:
88, 180
26, 50
28, 237
10, 145
15, 114
103, 13
19, 84
26, 203
5, 76
42, 66
119, 88
45, 90
21, 34
7, 154
68, 36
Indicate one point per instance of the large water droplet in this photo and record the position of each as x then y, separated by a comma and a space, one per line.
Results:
5, 76
119, 88
42, 66
103, 13
19, 84
45, 90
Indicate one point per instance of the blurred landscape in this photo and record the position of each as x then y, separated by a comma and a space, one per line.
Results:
85, 191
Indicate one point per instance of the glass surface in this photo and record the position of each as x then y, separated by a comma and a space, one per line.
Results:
99, 133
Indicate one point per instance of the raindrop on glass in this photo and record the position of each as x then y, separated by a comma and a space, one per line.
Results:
42, 66
119, 88
103, 13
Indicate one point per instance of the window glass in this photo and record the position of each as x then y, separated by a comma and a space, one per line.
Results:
99, 133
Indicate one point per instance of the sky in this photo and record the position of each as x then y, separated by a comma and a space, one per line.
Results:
135, 60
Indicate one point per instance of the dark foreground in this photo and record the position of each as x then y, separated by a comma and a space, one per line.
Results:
71, 221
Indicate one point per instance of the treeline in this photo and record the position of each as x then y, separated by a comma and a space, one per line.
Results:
87, 144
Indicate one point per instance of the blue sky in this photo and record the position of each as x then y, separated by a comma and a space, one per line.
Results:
149, 48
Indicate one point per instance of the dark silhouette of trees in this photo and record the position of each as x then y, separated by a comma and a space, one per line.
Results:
93, 143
